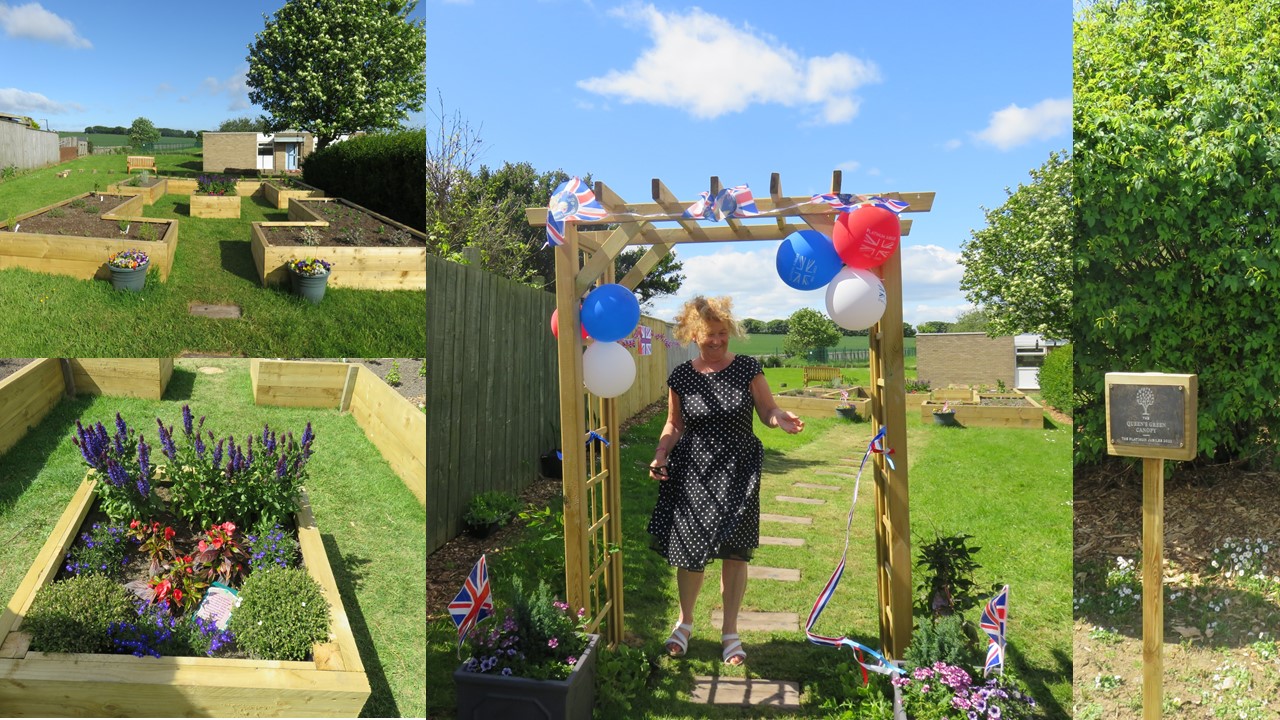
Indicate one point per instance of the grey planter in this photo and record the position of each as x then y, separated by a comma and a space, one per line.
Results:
310, 287
131, 279
482, 696
947, 419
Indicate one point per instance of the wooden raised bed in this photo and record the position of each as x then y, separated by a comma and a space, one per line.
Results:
144, 378
86, 257
369, 268
280, 196
823, 400
97, 685
393, 424
215, 206
26, 397
971, 413
149, 195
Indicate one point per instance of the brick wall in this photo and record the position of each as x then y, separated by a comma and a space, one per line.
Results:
964, 359
230, 151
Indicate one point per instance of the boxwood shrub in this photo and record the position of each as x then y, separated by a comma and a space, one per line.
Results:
74, 615
282, 613
382, 172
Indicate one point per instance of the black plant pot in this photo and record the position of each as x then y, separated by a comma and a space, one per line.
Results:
514, 698
483, 531
550, 464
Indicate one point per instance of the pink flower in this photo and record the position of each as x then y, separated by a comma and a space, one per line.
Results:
571, 660
553, 643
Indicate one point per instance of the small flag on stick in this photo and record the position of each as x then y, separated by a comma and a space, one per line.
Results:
994, 618
473, 602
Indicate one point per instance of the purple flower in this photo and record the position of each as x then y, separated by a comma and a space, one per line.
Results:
217, 455
281, 468
144, 466
199, 442
922, 673
121, 428
166, 441
994, 712
307, 435
117, 475
506, 671
249, 445
266, 430
553, 642
571, 660
186, 420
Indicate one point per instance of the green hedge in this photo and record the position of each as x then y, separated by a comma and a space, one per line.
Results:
1056, 386
384, 172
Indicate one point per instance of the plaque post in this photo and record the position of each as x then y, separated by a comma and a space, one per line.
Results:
1152, 416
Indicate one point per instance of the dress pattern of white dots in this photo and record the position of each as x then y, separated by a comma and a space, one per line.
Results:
709, 506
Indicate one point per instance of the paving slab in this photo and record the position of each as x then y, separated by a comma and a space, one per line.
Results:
747, 692
799, 500
770, 517
837, 474
760, 572
815, 486
761, 621
790, 542
219, 312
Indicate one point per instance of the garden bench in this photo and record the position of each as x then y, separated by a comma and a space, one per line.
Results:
820, 373
139, 162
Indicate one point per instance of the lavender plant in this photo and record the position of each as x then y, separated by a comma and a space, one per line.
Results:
123, 464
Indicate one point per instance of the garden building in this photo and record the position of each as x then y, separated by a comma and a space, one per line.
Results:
284, 150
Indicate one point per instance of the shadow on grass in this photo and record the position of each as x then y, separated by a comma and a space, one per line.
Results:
180, 384
195, 167
1038, 679
348, 572
237, 259
182, 208
24, 462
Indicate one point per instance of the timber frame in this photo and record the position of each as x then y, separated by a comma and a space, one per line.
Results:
591, 471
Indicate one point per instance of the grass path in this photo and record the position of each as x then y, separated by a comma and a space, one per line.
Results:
1008, 487
371, 524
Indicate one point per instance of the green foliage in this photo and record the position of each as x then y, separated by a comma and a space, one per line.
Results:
490, 507
777, 327
422, 370
974, 320
224, 185
752, 326
393, 375
1176, 254
282, 614
622, 675
244, 124
270, 545
309, 236
1018, 267
1056, 385
56, 212
147, 232
142, 131
770, 361
944, 639
338, 66
808, 329
946, 568
74, 615
101, 551
663, 279
544, 632
907, 330
350, 235
543, 539
917, 386
123, 225
382, 172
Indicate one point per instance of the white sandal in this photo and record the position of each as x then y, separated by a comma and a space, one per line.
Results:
733, 649
679, 640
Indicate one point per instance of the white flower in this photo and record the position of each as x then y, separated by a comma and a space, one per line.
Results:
259, 622
304, 603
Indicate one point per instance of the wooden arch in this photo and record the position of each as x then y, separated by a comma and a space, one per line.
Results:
591, 470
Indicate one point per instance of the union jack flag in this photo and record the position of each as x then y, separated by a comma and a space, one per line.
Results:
572, 200
894, 206
473, 602
844, 202
737, 202
994, 619
646, 340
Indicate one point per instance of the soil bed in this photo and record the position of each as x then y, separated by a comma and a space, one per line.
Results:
84, 221
1004, 402
348, 227
9, 366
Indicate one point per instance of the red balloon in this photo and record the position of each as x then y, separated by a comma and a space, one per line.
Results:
866, 237
555, 325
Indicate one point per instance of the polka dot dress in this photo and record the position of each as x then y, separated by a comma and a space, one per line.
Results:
710, 504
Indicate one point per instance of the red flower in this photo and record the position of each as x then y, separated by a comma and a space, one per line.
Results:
230, 527
134, 524
203, 546
217, 541
168, 533
177, 593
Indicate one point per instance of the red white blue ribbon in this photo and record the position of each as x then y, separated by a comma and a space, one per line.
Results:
572, 200
737, 202
844, 202
883, 666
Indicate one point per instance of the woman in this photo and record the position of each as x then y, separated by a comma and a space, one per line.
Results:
708, 460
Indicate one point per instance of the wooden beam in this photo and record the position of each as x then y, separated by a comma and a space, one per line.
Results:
748, 233
572, 418
644, 265
621, 237
917, 202
668, 201
775, 195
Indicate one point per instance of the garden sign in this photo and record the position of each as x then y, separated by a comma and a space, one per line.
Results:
1152, 416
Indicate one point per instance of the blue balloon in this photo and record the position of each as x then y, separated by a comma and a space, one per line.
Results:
610, 313
807, 260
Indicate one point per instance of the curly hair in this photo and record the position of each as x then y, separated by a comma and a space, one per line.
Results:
693, 318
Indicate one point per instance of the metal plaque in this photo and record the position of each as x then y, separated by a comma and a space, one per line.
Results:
1148, 415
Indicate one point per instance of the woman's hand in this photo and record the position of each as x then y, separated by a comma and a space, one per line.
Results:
789, 421
658, 469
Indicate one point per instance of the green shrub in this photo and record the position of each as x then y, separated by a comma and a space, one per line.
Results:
944, 639
75, 615
622, 675
1056, 385
382, 172
490, 507
282, 614
101, 551
770, 361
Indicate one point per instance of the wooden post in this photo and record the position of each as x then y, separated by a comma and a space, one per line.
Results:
1152, 587
572, 418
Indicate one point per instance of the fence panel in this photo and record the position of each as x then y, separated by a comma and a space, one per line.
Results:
26, 147
492, 397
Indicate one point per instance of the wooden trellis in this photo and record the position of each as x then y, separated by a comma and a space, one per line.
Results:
591, 472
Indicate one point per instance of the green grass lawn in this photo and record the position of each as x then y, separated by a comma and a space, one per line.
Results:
1009, 488
763, 344
43, 315
372, 526
112, 140
790, 378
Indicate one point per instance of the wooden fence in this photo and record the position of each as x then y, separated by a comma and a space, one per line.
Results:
26, 147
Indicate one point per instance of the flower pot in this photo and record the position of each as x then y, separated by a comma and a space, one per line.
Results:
481, 695
849, 413
550, 465
310, 287
947, 419
132, 279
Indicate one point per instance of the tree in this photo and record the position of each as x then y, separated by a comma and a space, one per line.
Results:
243, 124
663, 279
808, 329
338, 66
933, 326
752, 326
974, 320
1177, 254
776, 327
907, 330
142, 131
1018, 268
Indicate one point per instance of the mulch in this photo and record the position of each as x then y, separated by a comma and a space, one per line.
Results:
371, 231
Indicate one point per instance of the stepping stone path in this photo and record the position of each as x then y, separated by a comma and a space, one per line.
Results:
815, 486
790, 542
837, 474
708, 690
754, 620
218, 312
210, 370
758, 572
791, 519
799, 500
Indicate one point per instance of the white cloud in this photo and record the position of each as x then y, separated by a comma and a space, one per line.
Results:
236, 88
21, 102
1014, 126
873, 172
707, 66
32, 21
163, 88
952, 144
849, 166
924, 312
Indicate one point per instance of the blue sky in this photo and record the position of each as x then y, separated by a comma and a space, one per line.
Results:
942, 98
74, 63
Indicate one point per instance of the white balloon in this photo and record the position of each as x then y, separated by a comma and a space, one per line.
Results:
856, 299
608, 369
